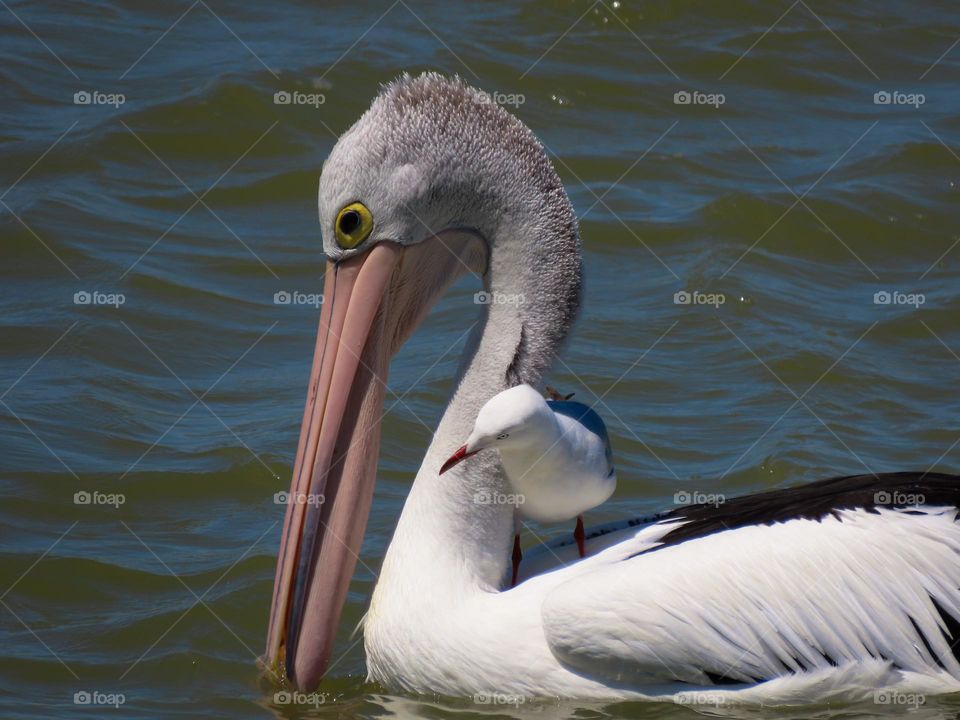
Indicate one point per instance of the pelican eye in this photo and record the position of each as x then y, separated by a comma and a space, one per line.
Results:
354, 225
503, 436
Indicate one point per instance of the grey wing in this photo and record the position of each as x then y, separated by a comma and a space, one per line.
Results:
586, 416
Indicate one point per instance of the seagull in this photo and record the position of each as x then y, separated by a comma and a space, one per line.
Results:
822, 592
555, 453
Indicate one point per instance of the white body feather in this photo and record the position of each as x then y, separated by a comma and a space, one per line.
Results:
820, 610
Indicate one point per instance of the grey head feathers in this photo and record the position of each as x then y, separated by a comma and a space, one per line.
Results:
433, 153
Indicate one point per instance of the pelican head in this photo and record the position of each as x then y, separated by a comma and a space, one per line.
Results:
433, 181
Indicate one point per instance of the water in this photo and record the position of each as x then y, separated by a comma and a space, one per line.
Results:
194, 199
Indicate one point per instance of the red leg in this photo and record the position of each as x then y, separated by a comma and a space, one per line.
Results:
517, 557
578, 535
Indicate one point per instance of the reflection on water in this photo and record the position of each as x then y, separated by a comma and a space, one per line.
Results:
378, 705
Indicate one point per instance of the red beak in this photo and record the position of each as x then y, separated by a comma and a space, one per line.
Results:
460, 454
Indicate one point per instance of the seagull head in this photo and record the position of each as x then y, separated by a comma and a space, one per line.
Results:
512, 419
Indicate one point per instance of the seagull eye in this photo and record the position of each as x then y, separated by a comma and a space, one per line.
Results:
503, 436
354, 225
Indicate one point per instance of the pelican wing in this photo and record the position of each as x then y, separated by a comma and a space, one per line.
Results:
850, 578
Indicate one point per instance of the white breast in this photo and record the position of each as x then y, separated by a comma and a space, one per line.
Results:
562, 477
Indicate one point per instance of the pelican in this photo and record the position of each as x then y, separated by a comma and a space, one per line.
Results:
827, 590
555, 454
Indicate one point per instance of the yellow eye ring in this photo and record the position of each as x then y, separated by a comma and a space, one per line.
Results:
354, 225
